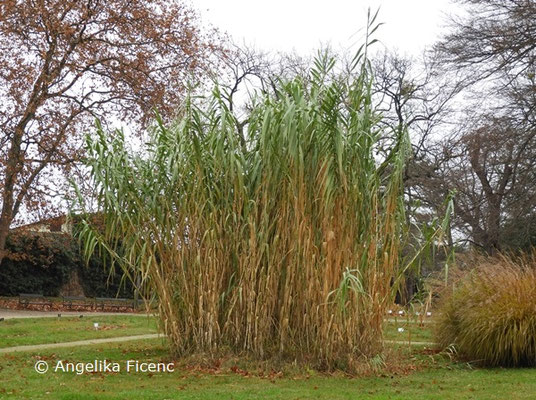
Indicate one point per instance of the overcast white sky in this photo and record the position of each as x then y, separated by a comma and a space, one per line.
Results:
286, 25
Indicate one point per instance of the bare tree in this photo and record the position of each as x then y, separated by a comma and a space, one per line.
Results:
492, 52
412, 95
490, 166
496, 37
247, 72
413, 98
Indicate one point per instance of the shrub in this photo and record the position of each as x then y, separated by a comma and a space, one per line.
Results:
490, 315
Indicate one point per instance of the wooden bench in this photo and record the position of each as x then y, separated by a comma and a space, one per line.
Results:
37, 299
74, 301
114, 302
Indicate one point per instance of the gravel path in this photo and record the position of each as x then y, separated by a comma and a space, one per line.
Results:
413, 343
9, 314
78, 343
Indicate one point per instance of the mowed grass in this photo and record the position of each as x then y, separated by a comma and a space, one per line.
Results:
28, 331
408, 330
421, 377
417, 373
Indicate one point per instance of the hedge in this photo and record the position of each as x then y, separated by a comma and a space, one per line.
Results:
42, 262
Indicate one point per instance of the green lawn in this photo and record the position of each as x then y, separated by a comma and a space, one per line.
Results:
441, 379
27, 331
417, 373
23, 331
411, 330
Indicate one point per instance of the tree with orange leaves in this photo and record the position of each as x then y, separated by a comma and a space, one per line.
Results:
65, 62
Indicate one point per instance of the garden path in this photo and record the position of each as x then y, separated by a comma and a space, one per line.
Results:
8, 314
78, 343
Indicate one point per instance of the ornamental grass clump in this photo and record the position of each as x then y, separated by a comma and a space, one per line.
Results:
490, 315
278, 241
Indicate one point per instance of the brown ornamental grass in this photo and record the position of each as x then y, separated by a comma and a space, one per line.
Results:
490, 315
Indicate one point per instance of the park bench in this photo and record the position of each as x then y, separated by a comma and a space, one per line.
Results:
27, 299
114, 302
77, 301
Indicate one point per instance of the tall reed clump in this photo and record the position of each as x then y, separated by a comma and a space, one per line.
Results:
490, 315
281, 242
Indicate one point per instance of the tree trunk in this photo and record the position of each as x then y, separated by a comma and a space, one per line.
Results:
6, 216
494, 225
5, 222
